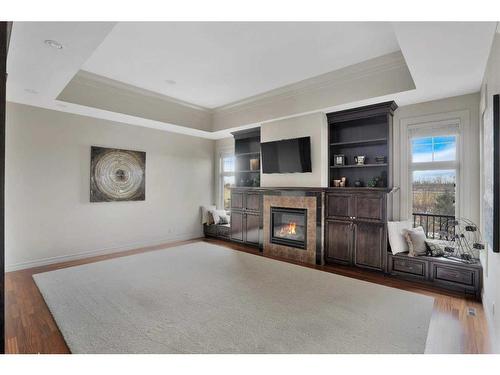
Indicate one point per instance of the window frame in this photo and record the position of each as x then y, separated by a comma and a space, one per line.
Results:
435, 129
222, 174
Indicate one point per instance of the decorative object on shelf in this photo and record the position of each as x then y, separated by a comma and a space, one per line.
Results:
358, 183
339, 159
336, 183
463, 241
379, 159
372, 182
254, 164
343, 182
256, 181
117, 175
359, 160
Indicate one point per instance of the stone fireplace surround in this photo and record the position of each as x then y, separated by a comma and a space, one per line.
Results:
310, 200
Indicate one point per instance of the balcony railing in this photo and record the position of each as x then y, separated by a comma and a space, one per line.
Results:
436, 226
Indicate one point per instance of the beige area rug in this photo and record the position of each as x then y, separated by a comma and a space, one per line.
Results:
203, 298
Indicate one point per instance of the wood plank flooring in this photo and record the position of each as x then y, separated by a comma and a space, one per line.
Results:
30, 327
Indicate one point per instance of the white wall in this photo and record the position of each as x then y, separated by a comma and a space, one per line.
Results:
314, 126
48, 214
464, 109
491, 260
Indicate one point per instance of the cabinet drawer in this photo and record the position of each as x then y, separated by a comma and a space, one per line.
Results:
454, 275
408, 266
223, 231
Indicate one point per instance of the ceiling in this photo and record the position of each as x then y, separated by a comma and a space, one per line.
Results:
214, 64
205, 67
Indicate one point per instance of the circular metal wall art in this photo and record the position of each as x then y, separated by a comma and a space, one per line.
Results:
117, 175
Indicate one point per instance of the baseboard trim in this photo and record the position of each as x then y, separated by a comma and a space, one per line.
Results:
104, 251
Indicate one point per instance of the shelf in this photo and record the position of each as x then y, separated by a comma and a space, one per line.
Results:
366, 142
248, 153
359, 166
248, 171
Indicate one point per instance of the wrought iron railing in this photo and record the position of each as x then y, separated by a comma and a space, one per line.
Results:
435, 226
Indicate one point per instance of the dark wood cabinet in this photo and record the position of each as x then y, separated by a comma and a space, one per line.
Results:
237, 226
369, 207
253, 201
237, 200
367, 132
246, 216
252, 229
369, 245
339, 206
355, 228
440, 272
338, 241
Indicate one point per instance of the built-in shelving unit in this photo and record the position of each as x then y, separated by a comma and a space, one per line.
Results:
365, 131
246, 151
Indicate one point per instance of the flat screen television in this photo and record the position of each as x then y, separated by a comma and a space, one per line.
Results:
287, 156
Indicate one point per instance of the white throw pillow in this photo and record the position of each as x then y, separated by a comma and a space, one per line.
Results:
416, 241
205, 219
397, 239
219, 216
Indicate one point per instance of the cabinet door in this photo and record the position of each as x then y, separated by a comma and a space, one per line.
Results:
338, 205
253, 201
369, 245
237, 200
369, 207
236, 226
338, 240
252, 224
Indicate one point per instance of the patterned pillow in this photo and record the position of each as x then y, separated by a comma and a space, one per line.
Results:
435, 247
219, 216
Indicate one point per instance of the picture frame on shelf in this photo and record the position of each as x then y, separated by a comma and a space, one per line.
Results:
339, 159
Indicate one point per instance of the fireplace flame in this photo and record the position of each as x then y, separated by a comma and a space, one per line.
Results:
288, 229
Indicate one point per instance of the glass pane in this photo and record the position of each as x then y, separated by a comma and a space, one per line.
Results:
444, 151
228, 164
421, 153
434, 192
429, 149
227, 183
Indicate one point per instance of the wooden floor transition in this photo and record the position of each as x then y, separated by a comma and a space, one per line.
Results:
30, 327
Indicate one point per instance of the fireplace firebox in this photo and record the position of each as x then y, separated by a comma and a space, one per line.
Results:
289, 227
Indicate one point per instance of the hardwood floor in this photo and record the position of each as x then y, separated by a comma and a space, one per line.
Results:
30, 327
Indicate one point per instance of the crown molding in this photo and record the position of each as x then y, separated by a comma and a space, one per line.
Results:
380, 76
99, 92
337, 77
97, 81
383, 75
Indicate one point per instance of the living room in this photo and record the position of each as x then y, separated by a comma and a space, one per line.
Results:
244, 188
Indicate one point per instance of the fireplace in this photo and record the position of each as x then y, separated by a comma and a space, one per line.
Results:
289, 227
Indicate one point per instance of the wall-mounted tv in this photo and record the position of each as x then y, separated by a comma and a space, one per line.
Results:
287, 156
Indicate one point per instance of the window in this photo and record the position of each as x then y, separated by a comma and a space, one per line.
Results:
434, 172
226, 179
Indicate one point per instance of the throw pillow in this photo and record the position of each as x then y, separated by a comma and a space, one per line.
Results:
436, 247
219, 216
416, 241
205, 217
397, 239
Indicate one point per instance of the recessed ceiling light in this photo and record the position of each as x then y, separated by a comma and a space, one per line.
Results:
31, 91
53, 44
170, 81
